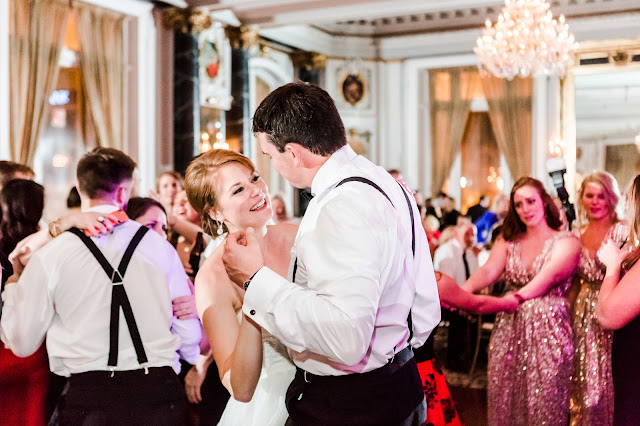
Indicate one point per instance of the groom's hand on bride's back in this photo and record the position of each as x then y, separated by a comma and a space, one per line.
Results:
242, 256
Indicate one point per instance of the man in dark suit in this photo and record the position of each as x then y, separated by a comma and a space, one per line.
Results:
474, 212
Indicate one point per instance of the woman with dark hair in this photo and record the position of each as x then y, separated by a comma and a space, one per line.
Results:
22, 203
531, 349
619, 309
23, 381
148, 212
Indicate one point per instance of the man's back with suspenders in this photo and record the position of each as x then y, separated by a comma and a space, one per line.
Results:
104, 304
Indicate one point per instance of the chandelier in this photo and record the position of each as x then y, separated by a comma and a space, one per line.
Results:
526, 40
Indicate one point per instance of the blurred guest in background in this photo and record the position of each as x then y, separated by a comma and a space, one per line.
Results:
474, 212
592, 387
456, 259
10, 170
395, 173
492, 217
280, 214
431, 227
167, 187
450, 214
73, 200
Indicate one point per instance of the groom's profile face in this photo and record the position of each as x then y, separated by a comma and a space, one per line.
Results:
282, 162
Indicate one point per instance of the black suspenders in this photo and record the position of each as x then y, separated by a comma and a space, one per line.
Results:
119, 298
413, 230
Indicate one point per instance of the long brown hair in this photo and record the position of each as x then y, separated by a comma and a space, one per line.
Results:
633, 197
201, 187
513, 226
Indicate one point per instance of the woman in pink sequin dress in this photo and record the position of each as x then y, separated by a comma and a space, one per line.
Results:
592, 386
531, 350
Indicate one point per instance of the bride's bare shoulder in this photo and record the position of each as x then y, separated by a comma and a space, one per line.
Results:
213, 285
212, 272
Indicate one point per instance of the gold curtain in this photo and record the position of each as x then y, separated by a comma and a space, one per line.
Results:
36, 35
510, 114
100, 33
450, 94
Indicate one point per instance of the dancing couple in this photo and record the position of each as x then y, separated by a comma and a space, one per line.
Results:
320, 318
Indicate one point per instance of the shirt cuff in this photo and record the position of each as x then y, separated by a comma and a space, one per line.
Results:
259, 298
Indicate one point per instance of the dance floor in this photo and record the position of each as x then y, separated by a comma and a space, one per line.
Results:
469, 391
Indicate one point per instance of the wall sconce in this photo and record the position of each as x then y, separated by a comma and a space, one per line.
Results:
205, 145
556, 147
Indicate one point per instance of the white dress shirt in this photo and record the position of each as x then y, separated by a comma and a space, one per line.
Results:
448, 260
65, 294
356, 275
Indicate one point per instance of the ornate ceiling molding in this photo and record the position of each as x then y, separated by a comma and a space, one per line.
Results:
241, 37
186, 20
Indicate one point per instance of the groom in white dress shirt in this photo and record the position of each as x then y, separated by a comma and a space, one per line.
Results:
361, 291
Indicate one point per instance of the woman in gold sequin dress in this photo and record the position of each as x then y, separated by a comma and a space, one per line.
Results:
592, 386
531, 350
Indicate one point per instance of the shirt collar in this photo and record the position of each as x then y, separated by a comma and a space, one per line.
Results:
102, 208
327, 173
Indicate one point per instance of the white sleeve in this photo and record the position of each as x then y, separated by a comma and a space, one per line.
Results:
443, 262
28, 310
425, 311
188, 330
335, 316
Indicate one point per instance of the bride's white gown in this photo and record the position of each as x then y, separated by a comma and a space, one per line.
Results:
267, 407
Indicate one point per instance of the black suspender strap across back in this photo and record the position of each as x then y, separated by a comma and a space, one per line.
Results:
413, 230
406, 197
118, 297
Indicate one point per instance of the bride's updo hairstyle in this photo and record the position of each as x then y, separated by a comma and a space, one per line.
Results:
201, 185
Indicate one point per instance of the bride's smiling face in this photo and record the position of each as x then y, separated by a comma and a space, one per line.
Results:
243, 198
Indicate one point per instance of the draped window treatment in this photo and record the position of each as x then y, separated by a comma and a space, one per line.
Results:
450, 93
510, 115
101, 33
36, 35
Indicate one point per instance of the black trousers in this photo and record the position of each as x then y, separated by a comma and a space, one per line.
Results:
127, 398
391, 395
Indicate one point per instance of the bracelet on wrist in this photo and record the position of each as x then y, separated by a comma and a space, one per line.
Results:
54, 228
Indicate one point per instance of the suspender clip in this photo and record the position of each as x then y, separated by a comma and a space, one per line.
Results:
116, 276
113, 371
145, 365
305, 377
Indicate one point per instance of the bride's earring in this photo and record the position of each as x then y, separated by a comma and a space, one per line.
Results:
220, 230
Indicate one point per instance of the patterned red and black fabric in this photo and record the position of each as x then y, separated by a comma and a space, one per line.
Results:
441, 409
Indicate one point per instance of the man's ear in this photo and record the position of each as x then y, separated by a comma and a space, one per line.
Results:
297, 153
123, 192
